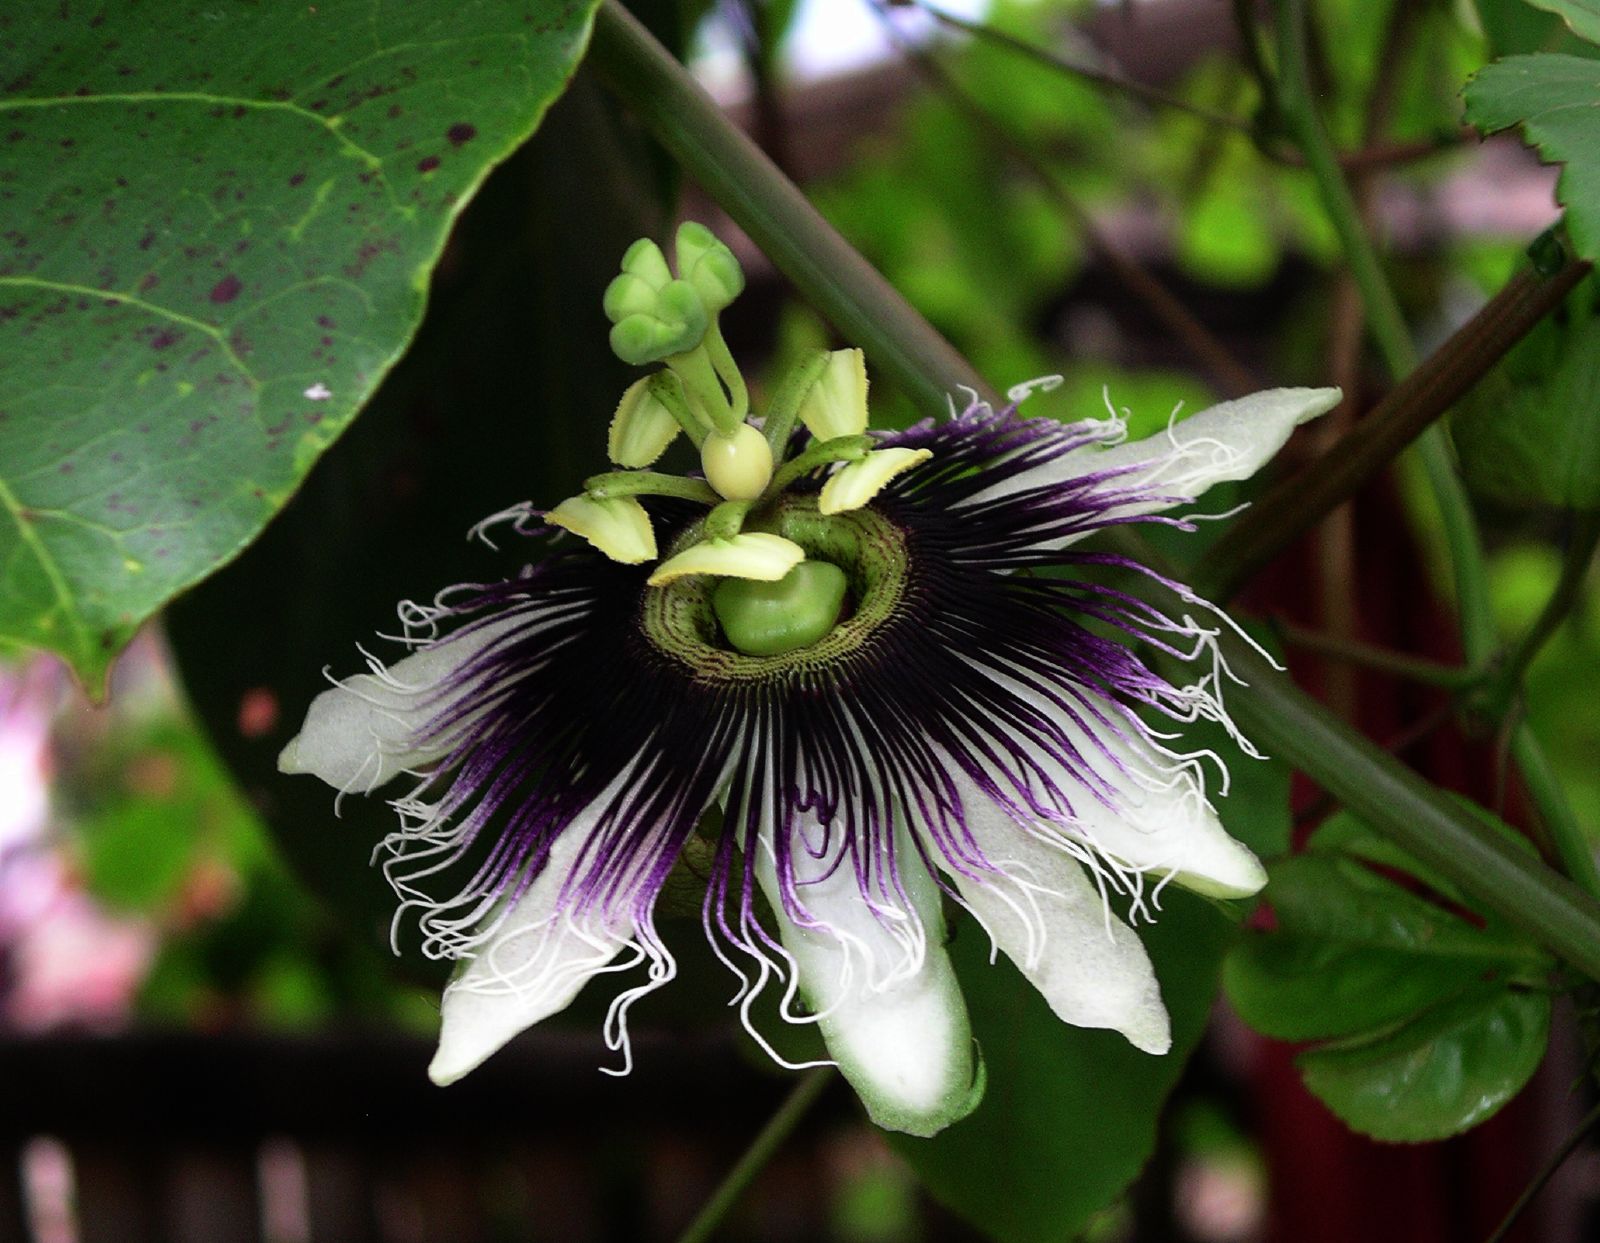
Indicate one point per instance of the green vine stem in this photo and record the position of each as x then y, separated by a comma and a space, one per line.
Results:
1478, 633
1378, 659
1583, 537
1280, 718
1544, 788
796, 1105
1555, 809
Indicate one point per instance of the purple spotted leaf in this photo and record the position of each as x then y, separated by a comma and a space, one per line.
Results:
217, 228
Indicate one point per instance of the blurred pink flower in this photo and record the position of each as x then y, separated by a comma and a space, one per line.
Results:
77, 966
69, 962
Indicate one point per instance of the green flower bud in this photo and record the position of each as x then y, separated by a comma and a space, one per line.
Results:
629, 295
737, 464
769, 619
673, 323
707, 264
645, 260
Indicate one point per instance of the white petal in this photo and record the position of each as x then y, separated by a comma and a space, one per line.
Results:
532, 965
1160, 823
1226, 442
853, 485
750, 554
362, 732
890, 1009
1048, 917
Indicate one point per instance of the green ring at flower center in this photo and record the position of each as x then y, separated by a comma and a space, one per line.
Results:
680, 622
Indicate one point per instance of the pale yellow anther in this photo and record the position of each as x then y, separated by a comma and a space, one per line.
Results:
618, 527
837, 403
853, 485
642, 428
750, 554
737, 464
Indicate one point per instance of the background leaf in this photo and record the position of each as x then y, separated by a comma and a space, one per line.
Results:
1436, 1032
1552, 97
1352, 952
220, 223
1582, 15
1447, 1069
1529, 432
1515, 26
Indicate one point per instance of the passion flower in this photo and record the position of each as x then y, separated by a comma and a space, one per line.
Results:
882, 666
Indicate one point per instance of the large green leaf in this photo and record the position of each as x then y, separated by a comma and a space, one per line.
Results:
1069, 1117
1529, 433
1448, 1069
1432, 1031
218, 227
1553, 98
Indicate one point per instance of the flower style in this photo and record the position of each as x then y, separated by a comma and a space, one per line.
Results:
870, 680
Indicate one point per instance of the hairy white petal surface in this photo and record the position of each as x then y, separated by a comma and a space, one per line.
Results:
1044, 913
1225, 442
364, 731
1162, 823
853, 485
531, 965
750, 554
888, 1004
1159, 821
617, 526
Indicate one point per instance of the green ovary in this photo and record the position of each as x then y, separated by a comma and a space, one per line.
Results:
769, 619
